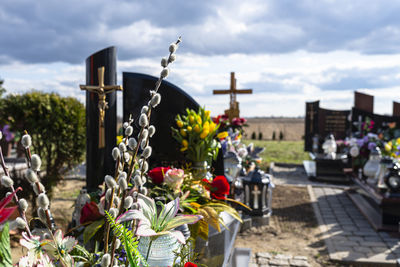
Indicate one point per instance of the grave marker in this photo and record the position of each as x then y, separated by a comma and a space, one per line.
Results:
364, 102
99, 161
396, 109
174, 101
233, 111
321, 122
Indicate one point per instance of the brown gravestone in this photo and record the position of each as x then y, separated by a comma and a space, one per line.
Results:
364, 102
396, 109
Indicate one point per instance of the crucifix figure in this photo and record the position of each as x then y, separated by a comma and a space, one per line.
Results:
233, 111
255, 193
101, 90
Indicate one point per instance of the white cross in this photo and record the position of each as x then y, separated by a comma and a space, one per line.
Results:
256, 192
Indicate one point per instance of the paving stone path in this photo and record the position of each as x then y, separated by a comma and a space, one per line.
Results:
265, 259
347, 234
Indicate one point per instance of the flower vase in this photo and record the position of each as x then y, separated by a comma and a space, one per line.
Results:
161, 250
201, 170
385, 164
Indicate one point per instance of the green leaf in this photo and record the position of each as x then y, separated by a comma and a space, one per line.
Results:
5, 249
91, 230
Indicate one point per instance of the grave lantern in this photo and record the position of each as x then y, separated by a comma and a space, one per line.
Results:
392, 178
258, 192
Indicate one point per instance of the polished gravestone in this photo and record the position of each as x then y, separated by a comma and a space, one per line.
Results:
218, 249
319, 124
174, 101
322, 122
99, 161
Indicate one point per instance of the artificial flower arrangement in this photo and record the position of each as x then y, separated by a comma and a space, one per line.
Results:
197, 197
116, 223
196, 135
236, 124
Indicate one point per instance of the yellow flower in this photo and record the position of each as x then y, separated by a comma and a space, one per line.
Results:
191, 119
179, 123
204, 134
189, 128
207, 113
222, 135
184, 148
183, 132
212, 127
199, 121
206, 125
119, 139
388, 147
185, 143
398, 140
393, 155
197, 128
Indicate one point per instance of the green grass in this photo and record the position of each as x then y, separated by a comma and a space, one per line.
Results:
281, 151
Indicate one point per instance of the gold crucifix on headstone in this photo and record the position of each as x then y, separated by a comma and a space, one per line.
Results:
101, 90
233, 111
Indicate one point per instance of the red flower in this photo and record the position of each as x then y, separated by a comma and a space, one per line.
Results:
219, 187
190, 264
90, 212
216, 119
157, 174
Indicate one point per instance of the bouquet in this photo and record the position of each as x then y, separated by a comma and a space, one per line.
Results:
196, 134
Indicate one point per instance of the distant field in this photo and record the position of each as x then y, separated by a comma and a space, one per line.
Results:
283, 151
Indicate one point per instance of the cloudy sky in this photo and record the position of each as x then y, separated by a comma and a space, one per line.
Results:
288, 52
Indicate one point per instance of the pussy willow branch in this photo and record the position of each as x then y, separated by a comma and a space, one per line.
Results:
21, 212
29, 163
157, 86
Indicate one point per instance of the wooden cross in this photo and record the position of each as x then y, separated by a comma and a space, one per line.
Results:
233, 111
101, 90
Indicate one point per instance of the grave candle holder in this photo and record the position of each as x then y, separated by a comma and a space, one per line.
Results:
258, 192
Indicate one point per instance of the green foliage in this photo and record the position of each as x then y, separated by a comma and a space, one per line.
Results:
280, 136
5, 249
85, 258
2, 89
57, 127
196, 134
91, 230
128, 240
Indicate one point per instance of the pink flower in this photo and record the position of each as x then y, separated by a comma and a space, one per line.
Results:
174, 178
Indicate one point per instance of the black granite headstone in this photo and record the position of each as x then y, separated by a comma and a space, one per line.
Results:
173, 101
322, 122
99, 161
396, 109
311, 127
334, 122
364, 102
